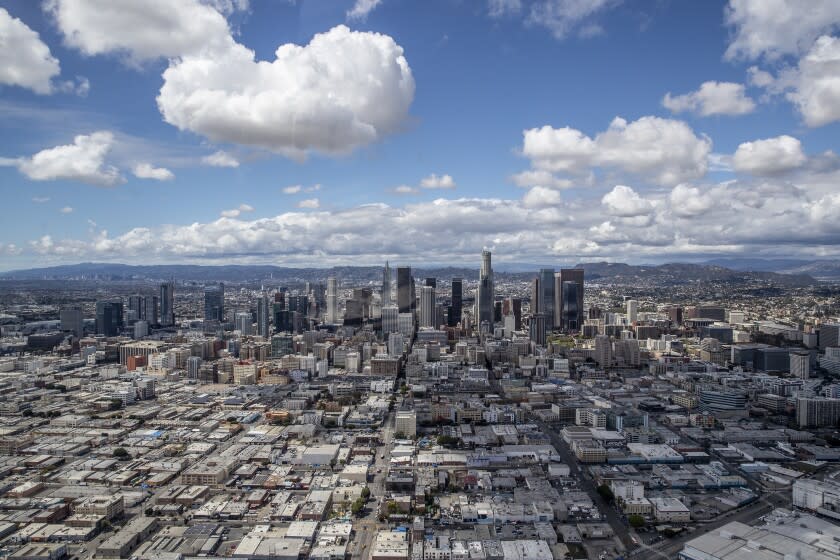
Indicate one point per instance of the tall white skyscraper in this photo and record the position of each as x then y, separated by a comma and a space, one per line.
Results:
427, 307
386, 285
244, 322
332, 300
632, 310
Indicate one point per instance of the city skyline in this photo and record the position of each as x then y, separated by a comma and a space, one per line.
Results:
663, 133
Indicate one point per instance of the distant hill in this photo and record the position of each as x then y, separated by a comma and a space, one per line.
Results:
672, 273
679, 273
822, 269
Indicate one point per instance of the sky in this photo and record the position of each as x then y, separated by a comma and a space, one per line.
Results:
329, 132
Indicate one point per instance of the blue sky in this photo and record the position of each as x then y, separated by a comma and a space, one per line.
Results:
402, 135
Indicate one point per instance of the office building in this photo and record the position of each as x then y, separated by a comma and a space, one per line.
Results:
243, 322
263, 317
570, 308
536, 329
547, 297
390, 320
332, 300
427, 307
632, 311
405, 290
484, 294
603, 350
406, 423
800, 365
817, 412
150, 310
109, 317
723, 403
72, 320
457, 302
386, 285
167, 304
214, 303
829, 336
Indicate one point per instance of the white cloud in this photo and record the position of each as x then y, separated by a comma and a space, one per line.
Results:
343, 90
25, 60
687, 201
769, 156
666, 151
562, 17
434, 181
713, 98
778, 27
540, 178
83, 160
66, 210
500, 8
140, 30
295, 189
220, 159
309, 203
624, 202
758, 77
405, 189
816, 93
40, 199
235, 212
769, 216
361, 9
538, 197
148, 171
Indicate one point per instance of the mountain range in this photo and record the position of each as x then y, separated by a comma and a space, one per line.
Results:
782, 272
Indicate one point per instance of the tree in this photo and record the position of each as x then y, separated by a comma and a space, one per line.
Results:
606, 492
392, 507
636, 521
358, 505
116, 404
121, 453
365, 492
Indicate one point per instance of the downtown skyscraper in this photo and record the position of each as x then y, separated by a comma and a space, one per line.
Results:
484, 294
167, 304
569, 306
405, 290
386, 285
457, 302
214, 303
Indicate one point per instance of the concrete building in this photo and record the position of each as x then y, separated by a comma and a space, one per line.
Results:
406, 423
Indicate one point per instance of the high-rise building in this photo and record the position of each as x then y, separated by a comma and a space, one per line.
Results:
427, 307
332, 300
386, 285
405, 289
214, 303
800, 365
263, 317
243, 322
167, 304
484, 294
109, 317
457, 302
817, 412
136, 308
150, 310
829, 336
571, 299
547, 297
431, 282
632, 311
603, 350
536, 329
72, 320
390, 320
